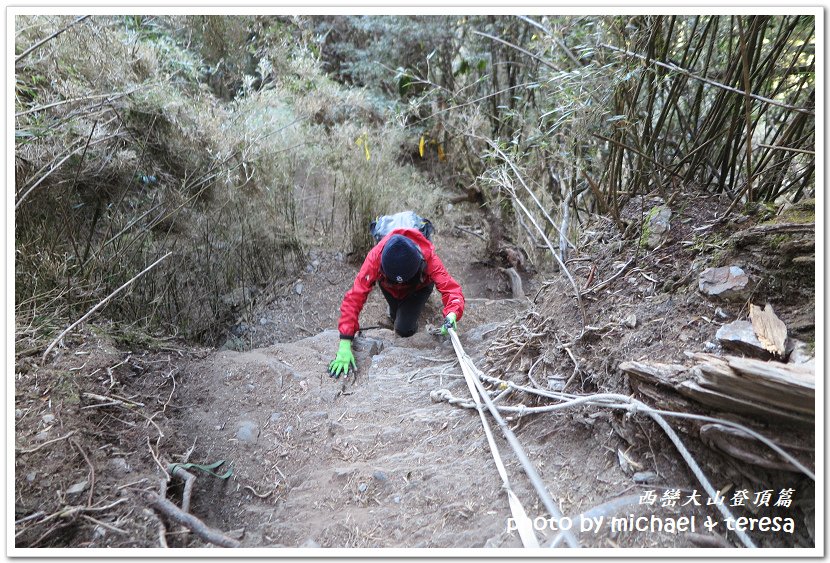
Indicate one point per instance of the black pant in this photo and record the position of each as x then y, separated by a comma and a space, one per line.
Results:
405, 312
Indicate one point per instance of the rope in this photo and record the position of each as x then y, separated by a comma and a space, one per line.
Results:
634, 406
478, 392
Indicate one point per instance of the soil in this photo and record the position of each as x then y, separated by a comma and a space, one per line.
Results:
370, 460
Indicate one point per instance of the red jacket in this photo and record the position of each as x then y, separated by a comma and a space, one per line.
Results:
370, 272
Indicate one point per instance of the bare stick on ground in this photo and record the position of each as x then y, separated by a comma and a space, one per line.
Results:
192, 523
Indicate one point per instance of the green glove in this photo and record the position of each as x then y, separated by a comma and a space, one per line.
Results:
343, 360
449, 322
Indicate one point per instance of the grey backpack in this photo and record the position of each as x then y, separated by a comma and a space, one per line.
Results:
385, 224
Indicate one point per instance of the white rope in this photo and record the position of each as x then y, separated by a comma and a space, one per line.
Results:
637, 406
478, 392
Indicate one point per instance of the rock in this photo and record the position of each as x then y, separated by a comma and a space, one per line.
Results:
343, 473
77, 488
729, 283
336, 428
644, 477
250, 387
396, 499
740, 337
275, 416
710, 346
363, 487
18, 413
119, 466
630, 321
42, 436
380, 476
264, 321
798, 352
248, 432
723, 315
657, 227
310, 543
31, 476
373, 346
298, 289
315, 264
48, 418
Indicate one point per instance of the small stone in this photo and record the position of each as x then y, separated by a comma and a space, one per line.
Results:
630, 321
710, 346
343, 473
250, 387
380, 476
289, 429
310, 543
317, 415
18, 413
119, 466
248, 432
48, 418
335, 428
798, 352
644, 477
729, 282
396, 500
42, 436
362, 487
298, 289
275, 416
315, 263
218, 427
721, 314
263, 321
31, 476
77, 488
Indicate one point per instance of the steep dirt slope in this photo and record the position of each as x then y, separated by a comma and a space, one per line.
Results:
371, 461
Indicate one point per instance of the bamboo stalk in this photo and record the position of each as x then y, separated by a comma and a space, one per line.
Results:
709, 81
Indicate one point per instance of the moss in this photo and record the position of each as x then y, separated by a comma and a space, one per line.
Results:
802, 212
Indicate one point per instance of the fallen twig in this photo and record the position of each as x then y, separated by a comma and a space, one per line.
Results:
101, 304
44, 444
192, 523
91, 471
37, 45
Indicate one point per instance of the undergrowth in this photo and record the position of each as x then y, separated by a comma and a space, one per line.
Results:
164, 146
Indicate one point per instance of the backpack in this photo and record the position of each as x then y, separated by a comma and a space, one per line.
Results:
385, 224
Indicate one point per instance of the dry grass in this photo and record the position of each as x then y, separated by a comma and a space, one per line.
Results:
122, 159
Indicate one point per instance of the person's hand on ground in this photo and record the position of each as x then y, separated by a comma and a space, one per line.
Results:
343, 361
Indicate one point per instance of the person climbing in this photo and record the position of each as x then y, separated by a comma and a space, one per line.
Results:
405, 266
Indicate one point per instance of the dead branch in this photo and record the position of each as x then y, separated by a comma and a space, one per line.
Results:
42, 42
188, 478
101, 304
189, 521
91, 471
44, 444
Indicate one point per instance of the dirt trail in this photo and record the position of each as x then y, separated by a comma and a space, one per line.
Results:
371, 461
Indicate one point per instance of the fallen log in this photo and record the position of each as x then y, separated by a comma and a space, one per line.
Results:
786, 387
744, 447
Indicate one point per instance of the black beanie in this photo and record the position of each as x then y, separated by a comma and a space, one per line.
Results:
400, 259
